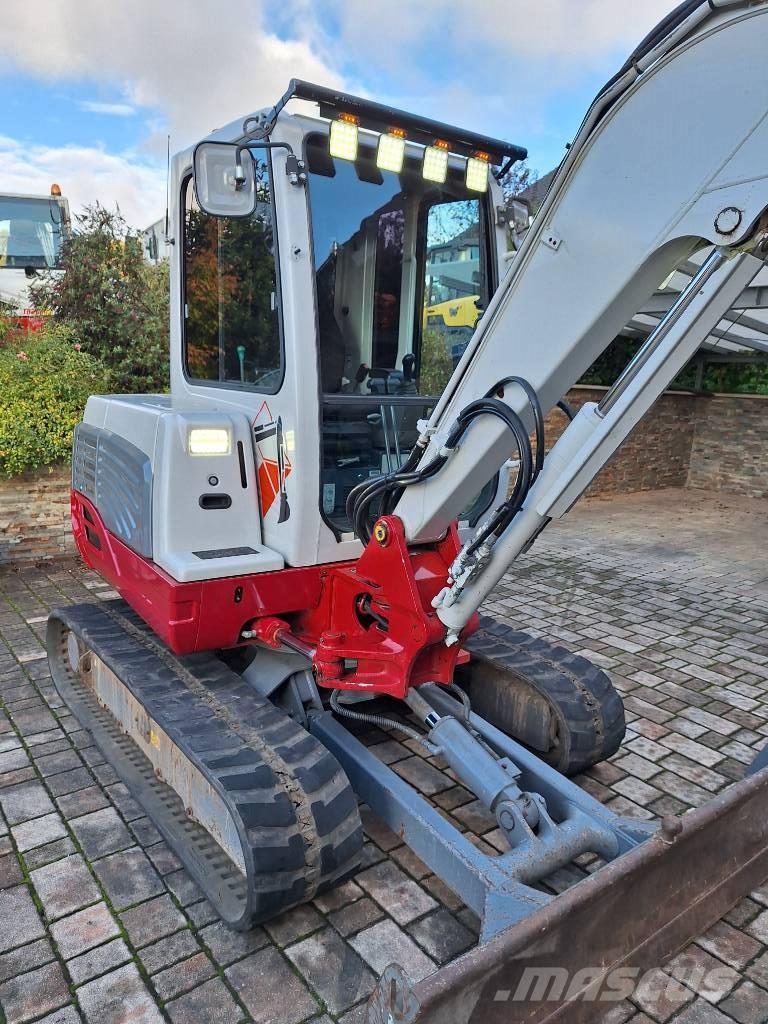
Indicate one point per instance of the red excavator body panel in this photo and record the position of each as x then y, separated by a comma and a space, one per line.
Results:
370, 623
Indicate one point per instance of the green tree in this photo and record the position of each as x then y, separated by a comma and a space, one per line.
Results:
517, 179
729, 378
737, 378
115, 303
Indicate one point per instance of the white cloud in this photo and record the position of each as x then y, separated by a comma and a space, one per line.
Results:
564, 28
85, 174
506, 67
201, 64
193, 65
112, 109
572, 29
197, 64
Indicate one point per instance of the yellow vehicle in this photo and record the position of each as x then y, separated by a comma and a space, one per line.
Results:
461, 312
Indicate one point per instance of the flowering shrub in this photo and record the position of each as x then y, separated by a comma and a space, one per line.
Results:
45, 381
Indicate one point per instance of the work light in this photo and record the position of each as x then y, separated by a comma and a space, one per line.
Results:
209, 441
435, 166
391, 151
344, 137
477, 172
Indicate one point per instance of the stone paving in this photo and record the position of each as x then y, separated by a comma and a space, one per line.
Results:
99, 923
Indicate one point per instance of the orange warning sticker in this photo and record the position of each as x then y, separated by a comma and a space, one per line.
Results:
273, 467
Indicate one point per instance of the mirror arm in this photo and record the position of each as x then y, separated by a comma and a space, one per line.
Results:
264, 123
239, 172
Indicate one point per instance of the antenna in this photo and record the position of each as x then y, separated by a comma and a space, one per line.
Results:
167, 188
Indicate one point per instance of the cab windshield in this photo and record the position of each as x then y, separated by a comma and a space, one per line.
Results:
403, 273
31, 232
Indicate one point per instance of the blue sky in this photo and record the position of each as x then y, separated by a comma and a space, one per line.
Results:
59, 113
90, 88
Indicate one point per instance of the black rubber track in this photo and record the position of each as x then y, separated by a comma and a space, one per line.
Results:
587, 711
295, 812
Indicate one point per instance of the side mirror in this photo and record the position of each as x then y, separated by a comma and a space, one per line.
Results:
225, 183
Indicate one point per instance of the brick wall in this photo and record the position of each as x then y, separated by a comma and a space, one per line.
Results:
34, 516
730, 445
718, 443
655, 455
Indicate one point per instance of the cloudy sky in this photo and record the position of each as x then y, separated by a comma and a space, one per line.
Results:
91, 88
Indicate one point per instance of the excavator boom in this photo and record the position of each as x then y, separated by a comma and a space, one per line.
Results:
669, 159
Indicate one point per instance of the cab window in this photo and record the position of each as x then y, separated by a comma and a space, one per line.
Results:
403, 274
231, 297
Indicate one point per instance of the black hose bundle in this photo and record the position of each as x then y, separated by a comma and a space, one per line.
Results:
390, 486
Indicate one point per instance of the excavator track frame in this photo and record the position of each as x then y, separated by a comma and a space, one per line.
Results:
555, 702
270, 795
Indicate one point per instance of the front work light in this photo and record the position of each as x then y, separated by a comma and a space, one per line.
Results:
391, 151
344, 137
477, 172
436, 162
209, 441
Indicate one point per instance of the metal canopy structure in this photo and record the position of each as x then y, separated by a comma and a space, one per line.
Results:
742, 334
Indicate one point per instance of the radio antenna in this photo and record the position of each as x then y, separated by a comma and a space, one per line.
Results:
168, 241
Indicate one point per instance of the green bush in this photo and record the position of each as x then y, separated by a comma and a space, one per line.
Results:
45, 380
7, 325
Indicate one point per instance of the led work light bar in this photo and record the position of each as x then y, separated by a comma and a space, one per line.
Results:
348, 114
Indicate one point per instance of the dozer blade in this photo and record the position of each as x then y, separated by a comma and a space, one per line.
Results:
634, 914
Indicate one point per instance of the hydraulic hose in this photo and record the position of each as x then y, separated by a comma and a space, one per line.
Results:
566, 408
390, 487
538, 415
381, 721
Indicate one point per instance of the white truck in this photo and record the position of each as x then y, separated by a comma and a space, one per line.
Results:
154, 242
32, 229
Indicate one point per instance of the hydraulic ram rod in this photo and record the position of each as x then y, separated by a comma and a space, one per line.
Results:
598, 430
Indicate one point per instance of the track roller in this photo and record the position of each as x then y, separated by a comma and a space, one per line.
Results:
556, 703
259, 812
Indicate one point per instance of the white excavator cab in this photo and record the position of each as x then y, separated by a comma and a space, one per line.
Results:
331, 284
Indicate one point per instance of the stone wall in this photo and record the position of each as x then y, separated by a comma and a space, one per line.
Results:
34, 516
655, 455
730, 445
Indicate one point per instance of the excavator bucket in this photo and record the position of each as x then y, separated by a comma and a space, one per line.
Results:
572, 960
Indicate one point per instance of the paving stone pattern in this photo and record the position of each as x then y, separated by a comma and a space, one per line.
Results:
100, 923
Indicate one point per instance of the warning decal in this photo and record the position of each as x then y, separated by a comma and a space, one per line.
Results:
273, 467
